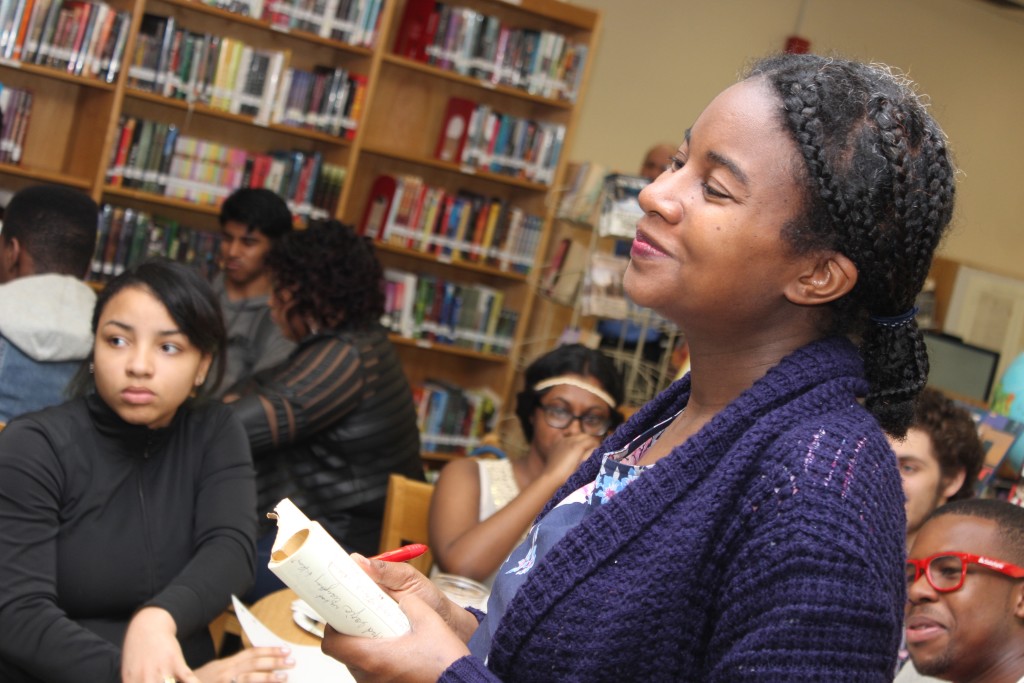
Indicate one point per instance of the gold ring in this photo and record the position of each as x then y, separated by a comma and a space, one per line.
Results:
170, 679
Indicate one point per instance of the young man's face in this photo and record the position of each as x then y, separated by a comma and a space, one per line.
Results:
243, 252
923, 483
957, 635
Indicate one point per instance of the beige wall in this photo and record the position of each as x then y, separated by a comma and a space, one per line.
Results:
660, 61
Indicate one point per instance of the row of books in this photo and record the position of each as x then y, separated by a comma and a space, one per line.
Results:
329, 100
480, 138
83, 38
350, 21
15, 111
405, 211
228, 75
223, 73
126, 236
153, 156
471, 43
581, 196
433, 309
453, 419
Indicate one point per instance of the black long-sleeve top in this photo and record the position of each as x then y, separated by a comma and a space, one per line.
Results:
99, 518
328, 426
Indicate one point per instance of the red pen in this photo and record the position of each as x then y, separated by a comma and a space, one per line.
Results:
406, 552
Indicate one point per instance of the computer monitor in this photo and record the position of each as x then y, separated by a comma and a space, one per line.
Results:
962, 369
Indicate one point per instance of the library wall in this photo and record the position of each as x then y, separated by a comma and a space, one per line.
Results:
661, 61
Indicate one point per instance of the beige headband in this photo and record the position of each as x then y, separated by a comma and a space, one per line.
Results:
575, 382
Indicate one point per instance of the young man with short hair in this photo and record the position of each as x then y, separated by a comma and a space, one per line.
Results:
939, 459
46, 245
252, 220
965, 582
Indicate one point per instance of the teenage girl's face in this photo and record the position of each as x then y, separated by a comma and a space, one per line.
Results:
145, 367
708, 248
573, 399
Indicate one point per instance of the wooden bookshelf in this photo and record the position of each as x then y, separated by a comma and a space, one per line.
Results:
73, 137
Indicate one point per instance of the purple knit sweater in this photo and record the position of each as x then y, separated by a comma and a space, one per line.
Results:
768, 547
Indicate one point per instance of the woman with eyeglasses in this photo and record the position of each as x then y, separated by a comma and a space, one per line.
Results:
482, 507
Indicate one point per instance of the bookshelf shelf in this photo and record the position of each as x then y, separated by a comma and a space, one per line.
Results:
44, 176
456, 264
240, 119
36, 70
459, 169
448, 349
234, 18
160, 201
484, 86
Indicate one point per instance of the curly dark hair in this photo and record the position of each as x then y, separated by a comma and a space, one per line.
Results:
574, 359
879, 188
954, 437
333, 274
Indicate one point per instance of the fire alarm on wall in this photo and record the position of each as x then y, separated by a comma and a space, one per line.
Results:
797, 45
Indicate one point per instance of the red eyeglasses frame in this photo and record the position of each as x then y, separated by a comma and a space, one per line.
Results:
923, 567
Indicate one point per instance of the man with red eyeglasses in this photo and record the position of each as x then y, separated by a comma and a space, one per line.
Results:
965, 592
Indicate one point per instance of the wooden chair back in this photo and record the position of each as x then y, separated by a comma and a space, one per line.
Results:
405, 517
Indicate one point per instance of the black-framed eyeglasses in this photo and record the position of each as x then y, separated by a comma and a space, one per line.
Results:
946, 571
591, 423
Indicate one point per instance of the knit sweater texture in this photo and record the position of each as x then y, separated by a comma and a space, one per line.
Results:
767, 547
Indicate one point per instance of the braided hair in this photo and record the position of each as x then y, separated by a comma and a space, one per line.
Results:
879, 189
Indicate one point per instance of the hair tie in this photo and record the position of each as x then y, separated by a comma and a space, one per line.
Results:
575, 382
895, 320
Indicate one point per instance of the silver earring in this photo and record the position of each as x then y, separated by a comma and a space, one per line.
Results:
92, 368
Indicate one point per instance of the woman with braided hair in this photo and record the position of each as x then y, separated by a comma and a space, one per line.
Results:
747, 524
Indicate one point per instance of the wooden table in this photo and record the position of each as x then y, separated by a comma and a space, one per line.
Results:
275, 611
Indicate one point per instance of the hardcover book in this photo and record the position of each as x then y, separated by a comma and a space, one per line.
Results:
454, 129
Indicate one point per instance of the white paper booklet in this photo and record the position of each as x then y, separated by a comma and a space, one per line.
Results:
320, 572
311, 665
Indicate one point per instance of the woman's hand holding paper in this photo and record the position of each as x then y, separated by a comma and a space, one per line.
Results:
438, 637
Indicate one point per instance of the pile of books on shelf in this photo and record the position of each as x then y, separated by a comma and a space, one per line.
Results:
15, 108
581, 196
405, 211
153, 157
481, 139
350, 21
563, 273
324, 99
433, 309
453, 419
471, 43
81, 38
126, 236
228, 75
620, 205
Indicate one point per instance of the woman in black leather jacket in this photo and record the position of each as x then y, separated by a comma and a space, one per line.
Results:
331, 423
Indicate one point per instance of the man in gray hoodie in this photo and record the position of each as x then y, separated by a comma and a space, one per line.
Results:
46, 244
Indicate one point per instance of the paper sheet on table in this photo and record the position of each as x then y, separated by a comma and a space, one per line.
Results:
311, 665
